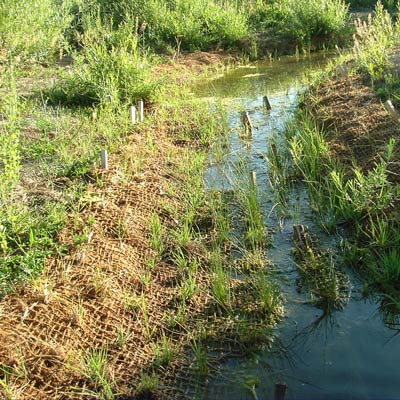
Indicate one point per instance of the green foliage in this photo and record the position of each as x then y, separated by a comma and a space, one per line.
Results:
147, 385
180, 23
362, 200
267, 293
110, 69
311, 19
372, 40
308, 23
357, 4
246, 194
33, 31
164, 352
95, 368
25, 237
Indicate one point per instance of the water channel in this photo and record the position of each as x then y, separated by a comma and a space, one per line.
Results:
349, 354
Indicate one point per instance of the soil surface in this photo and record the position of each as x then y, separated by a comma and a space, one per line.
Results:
187, 67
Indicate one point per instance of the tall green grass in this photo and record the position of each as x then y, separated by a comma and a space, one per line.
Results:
361, 201
312, 20
110, 69
33, 31
192, 25
373, 40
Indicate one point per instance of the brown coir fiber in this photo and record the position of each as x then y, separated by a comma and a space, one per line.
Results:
86, 297
359, 125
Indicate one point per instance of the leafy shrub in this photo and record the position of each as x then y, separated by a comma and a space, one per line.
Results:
33, 30
389, 4
110, 69
197, 24
312, 19
372, 41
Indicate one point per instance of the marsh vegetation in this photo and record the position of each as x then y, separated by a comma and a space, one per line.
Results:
139, 280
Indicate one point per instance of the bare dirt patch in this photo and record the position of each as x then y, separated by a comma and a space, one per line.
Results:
188, 66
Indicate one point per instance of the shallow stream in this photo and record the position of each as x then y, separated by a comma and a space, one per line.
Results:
349, 354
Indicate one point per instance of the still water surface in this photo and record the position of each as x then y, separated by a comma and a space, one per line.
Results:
350, 354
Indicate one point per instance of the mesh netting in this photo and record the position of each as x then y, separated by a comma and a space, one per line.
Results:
362, 126
84, 300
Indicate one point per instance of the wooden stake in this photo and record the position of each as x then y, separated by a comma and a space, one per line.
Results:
280, 391
104, 159
133, 115
391, 110
341, 71
246, 121
266, 103
141, 110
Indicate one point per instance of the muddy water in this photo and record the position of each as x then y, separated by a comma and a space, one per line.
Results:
350, 354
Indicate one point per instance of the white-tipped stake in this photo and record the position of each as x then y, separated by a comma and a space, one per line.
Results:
104, 159
141, 110
133, 114
392, 111
253, 179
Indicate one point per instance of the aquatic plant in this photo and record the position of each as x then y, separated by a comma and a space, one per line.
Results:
245, 192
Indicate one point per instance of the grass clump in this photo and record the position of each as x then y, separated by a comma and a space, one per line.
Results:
109, 70
359, 200
311, 21
33, 31
245, 192
96, 370
183, 25
373, 40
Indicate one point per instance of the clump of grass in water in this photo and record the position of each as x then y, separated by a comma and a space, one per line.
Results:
318, 272
280, 174
246, 194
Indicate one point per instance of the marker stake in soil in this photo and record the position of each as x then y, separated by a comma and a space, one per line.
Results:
391, 110
133, 114
141, 110
104, 159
